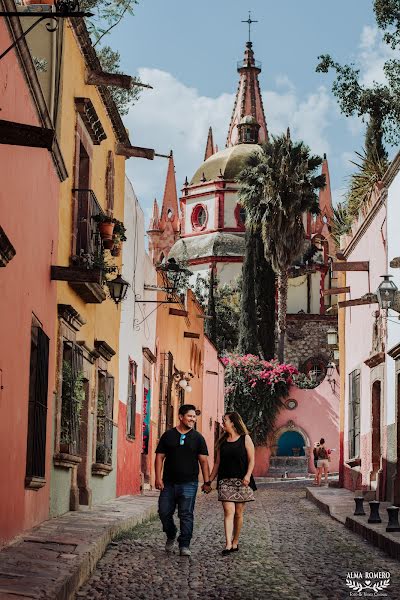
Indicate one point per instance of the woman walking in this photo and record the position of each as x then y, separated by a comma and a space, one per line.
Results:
234, 466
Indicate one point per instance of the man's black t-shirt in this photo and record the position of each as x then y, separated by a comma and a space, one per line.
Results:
181, 463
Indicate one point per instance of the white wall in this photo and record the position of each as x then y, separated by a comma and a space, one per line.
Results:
393, 226
209, 202
137, 269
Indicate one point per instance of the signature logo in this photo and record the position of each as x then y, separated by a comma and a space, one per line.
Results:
376, 581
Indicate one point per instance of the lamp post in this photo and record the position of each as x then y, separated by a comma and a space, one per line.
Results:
386, 292
174, 273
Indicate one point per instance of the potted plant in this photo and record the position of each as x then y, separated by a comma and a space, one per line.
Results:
116, 250
119, 232
105, 226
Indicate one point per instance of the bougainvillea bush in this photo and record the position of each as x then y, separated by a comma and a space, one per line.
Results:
255, 388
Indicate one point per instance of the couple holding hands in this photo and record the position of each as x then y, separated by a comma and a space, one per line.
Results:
179, 453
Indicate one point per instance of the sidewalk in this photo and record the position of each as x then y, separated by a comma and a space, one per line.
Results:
53, 560
339, 504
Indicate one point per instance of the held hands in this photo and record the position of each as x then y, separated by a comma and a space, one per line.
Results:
246, 480
206, 488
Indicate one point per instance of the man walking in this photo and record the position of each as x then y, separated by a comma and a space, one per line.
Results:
183, 448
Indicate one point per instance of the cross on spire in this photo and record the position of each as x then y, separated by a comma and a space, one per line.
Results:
249, 21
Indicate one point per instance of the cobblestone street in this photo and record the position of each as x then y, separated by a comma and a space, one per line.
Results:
289, 549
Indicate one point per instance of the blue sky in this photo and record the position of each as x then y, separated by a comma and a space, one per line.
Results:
188, 52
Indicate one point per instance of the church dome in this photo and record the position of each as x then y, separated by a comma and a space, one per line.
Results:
207, 245
228, 163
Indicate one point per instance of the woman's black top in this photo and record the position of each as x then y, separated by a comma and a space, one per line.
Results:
233, 461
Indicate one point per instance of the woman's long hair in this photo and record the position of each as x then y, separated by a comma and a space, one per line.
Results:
238, 424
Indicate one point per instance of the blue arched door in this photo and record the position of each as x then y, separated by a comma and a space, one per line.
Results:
288, 441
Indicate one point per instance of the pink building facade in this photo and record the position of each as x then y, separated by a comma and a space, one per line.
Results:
31, 169
307, 416
364, 364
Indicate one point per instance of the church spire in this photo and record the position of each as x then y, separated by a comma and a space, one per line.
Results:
210, 149
155, 217
324, 218
169, 208
248, 102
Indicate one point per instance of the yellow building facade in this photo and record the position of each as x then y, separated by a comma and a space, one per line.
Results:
86, 395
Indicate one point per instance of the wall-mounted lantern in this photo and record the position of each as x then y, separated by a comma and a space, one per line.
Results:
386, 292
118, 288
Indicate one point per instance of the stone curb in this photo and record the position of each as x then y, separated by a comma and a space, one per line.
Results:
341, 508
55, 559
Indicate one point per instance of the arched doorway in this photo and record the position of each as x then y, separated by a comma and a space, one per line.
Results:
288, 444
291, 443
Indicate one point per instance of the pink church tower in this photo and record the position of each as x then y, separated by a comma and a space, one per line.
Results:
164, 230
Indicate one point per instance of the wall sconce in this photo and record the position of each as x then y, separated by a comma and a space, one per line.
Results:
332, 337
118, 288
386, 292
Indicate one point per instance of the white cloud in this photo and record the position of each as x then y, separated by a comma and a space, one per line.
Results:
373, 54
175, 116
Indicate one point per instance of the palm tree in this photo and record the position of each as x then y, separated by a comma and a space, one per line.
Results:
277, 186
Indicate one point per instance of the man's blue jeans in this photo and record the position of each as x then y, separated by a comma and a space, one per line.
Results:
182, 495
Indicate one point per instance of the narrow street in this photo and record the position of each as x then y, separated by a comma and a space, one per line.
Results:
289, 549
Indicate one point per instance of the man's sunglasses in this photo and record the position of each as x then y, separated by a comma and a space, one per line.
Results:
182, 440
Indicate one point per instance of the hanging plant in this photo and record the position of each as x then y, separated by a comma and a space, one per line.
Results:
119, 232
255, 388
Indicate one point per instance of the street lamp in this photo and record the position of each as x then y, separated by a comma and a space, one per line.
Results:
332, 336
386, 292
174, 274
118, 288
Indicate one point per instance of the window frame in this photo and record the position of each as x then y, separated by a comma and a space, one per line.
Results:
354, 414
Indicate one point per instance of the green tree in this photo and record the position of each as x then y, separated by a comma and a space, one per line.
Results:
110, 62
277, 186
380, 103
248, 338
264, 295
107, 15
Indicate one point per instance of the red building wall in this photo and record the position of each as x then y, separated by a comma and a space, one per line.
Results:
29, 195
129, 455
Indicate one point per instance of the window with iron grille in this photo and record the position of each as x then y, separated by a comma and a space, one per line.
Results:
37, 406
72, 397
88, 241
354, 414
105, 404
131, 404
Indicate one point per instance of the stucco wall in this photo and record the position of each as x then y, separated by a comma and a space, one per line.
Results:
138, 270
316, 416
306, 337
101, 320
29, 197
359, 329
213, 395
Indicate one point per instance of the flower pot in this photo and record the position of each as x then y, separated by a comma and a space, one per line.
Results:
116, 250
108, 244
106, 230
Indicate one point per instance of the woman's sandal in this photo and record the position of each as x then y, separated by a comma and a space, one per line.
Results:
235, 549
226, 551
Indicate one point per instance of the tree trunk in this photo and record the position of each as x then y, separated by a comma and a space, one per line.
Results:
283, 279
247, 323
211, 324
264, 290
374, 139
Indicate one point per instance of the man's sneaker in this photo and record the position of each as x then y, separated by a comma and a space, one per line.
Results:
184, 551
169, 544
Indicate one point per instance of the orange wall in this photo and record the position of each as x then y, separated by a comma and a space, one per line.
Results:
213, 395
29, 195
170, 338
